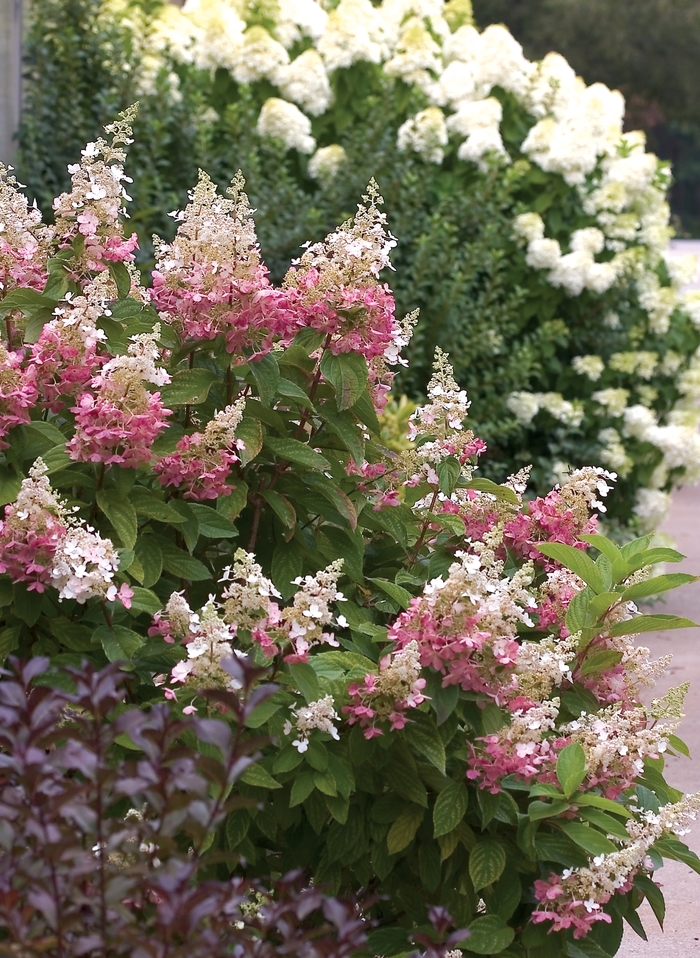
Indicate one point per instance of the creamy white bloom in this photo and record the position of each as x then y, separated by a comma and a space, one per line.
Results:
327, 161
355, 31
590, 366
286, 122
305, 81
425, 134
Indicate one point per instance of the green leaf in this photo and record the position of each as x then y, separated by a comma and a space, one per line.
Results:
347, 430
608, 824
653, 895
119, 644
143, 600
266, 373
403, 778
396, 592
212, 524
599, 661
604, 545
504, 493
297, 452
25, 301
72, 635
585, 948
9, 641
237, 825
334, 495
306, 680
261, 714
256, 775
588, 838
487, 861
450, 808
121, 515
650, 623
597, 801
539, 810
302, 787
179, 563
579, 614
287, 565
232, 505
576, 560
488, 935
189, 528
149, 504
189, 388
449, 472
366, 413
250, 433
150, 558
404, 829
120, 275
282, 507
290, 390
422, 735
288, 759
347, 373
56, 459
659, 583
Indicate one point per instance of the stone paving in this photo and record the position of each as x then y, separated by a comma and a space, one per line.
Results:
681, 935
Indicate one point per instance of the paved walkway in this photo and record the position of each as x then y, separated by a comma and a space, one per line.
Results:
681, 885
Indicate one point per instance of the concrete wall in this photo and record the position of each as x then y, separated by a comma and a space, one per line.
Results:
10, 75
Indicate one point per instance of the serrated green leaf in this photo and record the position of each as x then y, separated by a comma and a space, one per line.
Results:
237, 825
603, 545
576, 560
504, 493
121, 515
212, 524
143, 600
396, 592
487, 861
150, 505
449, 472
256, 775
120, 275
180, 563
189, 387
119, 643
347, 430
650, 623
282, 507
150, 559
450, 808
250, 432
25, 301
297, 452
591, 840
306, 680
266, 373
232, 505
653, 895
571, 767
597, 801
302, 787
599, 661
404, 829
347, 373
290, 390
423, 735
488, 935
658, 584
287, 565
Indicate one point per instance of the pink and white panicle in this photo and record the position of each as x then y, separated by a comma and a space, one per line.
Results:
177, 622
201, 463
438, 428
93, 207
302, 623
208, 642
18, 392
575, 898
465, 626
67, 356
210, 280
249, 600
320, 715
43, 544
337, 288
563, 515
387, 695
118, 420
24, 240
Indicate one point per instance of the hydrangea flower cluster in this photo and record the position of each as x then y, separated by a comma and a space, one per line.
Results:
43, 544
119, 419
201, 463
210, 281
24, 239
385, 696
94, 207
319, 715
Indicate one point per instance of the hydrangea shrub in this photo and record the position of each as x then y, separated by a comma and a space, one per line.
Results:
533, 230
193, 474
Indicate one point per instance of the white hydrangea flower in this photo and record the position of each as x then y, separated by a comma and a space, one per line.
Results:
286, 122
327, 161
425, 134
682, 270
529, 227
260, 57
590, 366
524, 406
651, 507
297, 19
305, 81
355, 31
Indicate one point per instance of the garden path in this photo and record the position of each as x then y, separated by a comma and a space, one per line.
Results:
681, 886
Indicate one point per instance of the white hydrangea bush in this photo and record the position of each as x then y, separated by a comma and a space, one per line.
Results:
591, 224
